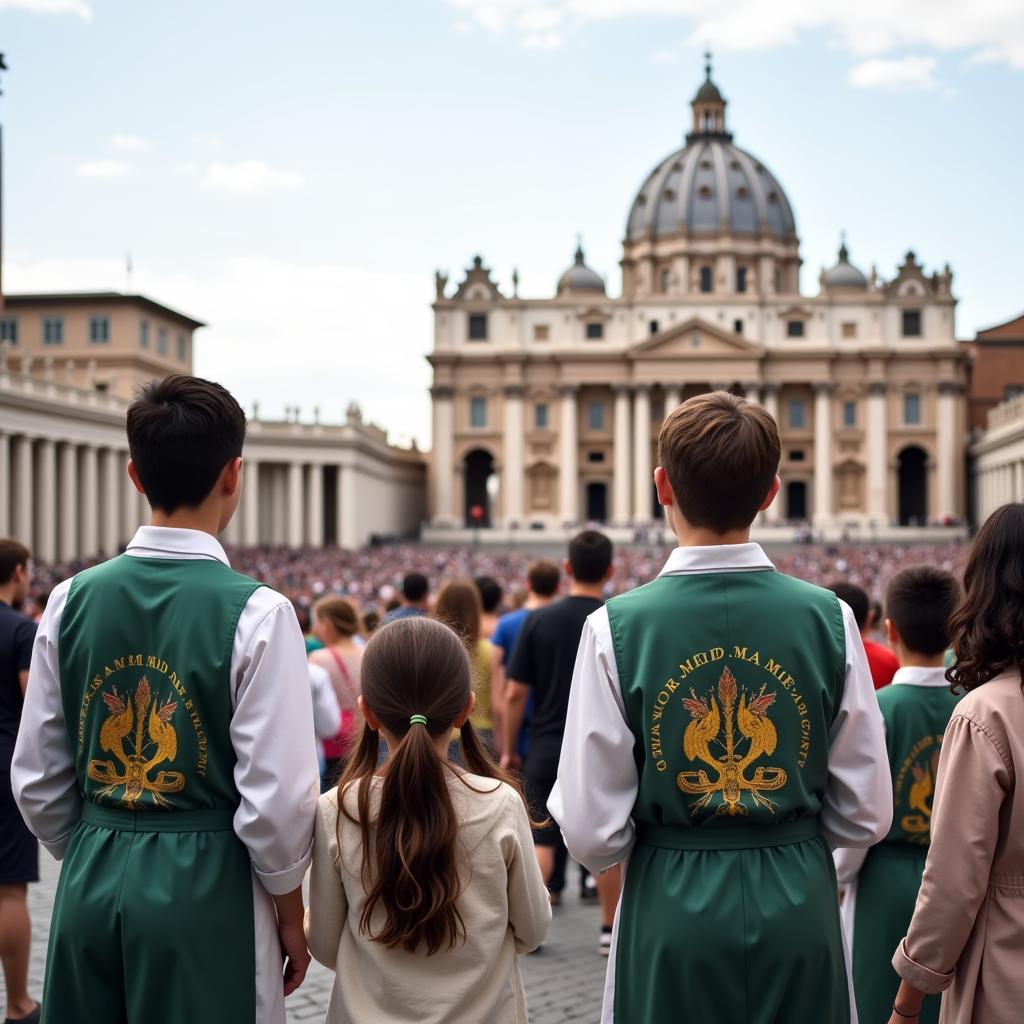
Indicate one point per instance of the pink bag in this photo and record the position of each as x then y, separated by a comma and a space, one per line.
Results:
338, 746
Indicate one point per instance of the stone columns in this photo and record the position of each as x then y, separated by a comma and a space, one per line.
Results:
250, 502
294, 504
70, 503
945, 443
642, 479
822, 454
348, 525
621, 457
444, 456
46, 508
110, 532
5, 485
1018, 487
877, 457
89, 501
22, 491
515, 469
315, 506
568, 468
770, 401
752, 393
673, 397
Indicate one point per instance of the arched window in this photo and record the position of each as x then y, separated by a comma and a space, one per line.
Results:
706, 282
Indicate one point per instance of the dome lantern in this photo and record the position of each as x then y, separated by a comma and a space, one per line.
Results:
844, 274
579, 277
708, 107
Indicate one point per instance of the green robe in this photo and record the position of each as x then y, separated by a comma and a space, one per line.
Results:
153, 918
729, 912
915, 720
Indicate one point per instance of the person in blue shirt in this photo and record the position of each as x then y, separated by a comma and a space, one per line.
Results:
415, 598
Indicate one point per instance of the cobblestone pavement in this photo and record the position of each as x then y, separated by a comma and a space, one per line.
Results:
564, 980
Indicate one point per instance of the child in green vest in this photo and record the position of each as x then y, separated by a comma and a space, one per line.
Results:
424, 885
722, 735
880, 885
166, 752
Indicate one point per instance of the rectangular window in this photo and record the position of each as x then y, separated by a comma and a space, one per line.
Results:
595, 456
143, 334
911, 323
652, 327
540, 416
737, 326
849, 414
478, 412
9, 330
99, 330
595, 415
540, 332
849, 329
706, 281
53, 330
794, 328
478, 327
797, 455
797, 413
161, 341
595, 331
911, 409
182, 348
741, 279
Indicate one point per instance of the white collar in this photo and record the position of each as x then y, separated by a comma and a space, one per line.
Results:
916, 676
717, 558
173, 542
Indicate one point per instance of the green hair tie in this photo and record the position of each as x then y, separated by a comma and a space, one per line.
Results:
418, 720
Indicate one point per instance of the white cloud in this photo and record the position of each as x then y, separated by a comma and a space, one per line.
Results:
902, 73
129, 143
868, 28
104, 169
542, 40
249, 177
284, 333
79, 7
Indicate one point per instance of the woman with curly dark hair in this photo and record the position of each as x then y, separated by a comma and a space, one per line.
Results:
967, 935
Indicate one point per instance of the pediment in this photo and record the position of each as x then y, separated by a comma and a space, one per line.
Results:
694, 339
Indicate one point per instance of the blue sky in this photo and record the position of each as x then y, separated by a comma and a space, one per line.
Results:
294, 173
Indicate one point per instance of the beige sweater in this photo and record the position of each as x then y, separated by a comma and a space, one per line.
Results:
967, 936
504, 906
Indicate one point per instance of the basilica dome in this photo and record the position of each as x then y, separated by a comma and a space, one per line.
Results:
710, 186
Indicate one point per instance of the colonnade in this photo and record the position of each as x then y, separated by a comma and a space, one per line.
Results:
998, 485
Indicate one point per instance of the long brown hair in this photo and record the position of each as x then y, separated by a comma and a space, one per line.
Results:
413, 666
987, 629
459, 607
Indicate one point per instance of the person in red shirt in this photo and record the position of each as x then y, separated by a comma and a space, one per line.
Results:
882, 662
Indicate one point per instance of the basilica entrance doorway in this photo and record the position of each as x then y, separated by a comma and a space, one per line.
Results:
478, 470
597, 502
796, 501
913, 486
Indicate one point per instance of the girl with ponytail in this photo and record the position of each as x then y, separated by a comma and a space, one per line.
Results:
424, 886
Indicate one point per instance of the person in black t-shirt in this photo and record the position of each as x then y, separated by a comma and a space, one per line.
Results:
19, 851
542, 665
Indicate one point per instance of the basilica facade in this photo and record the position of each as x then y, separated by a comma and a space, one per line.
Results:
546, 411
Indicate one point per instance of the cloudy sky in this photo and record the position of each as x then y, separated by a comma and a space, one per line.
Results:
294, 173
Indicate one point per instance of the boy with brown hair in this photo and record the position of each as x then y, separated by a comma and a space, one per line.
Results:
722, 734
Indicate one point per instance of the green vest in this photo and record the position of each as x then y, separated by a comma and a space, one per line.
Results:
915, 721
731, 682
145, 652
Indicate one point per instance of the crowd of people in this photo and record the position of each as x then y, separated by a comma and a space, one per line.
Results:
793, 802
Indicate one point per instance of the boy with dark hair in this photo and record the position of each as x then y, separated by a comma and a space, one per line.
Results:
882, 662
167, 753
415, 588
722, 733
19, 851
880, 885
490, 593
541, 668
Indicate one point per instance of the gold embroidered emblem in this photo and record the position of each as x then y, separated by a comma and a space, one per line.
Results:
919, 797
713, 727
145, 723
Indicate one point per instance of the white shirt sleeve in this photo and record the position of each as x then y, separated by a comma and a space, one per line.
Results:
43, 774
857, 810
326, 713
597, 782
272, 733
